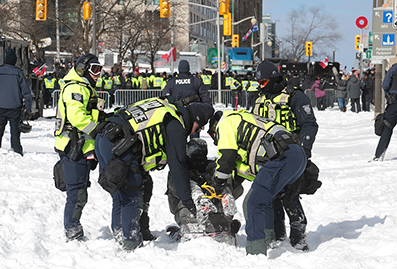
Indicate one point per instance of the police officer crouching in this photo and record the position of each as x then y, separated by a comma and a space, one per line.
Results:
289, 106
262, 151
145, 136
78, 115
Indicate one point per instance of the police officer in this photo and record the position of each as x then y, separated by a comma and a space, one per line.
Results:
14, 90
291, 108
206, 77
50, 82
108, 86
252, 90
147, 135
78, 114
185, 85
389, 85
99, 84
257, 149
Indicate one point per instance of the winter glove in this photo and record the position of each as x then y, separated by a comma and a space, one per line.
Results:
229, 205
204, 208
311, 184
94, 164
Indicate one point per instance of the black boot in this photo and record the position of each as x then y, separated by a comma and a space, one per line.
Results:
298, 240
147, 235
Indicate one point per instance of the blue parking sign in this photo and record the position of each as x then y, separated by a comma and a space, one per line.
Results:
388, 40
387, 16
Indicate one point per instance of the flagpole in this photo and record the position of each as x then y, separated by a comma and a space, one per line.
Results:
219, 53
172, 38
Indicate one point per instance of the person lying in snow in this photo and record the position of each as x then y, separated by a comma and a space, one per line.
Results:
213, 218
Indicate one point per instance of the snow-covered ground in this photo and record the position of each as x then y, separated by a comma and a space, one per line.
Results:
352, 219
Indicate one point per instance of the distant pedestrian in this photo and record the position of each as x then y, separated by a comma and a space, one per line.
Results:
14, 92
341, 89
354, 88
319, 92
368, 91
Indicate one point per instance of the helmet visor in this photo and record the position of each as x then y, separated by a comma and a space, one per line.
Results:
95, 69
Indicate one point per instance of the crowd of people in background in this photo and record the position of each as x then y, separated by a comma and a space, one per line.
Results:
341, 88
322, 90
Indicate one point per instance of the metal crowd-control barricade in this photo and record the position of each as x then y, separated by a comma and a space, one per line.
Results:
55, 96
101, 94
105, 96
125, 97
228, 97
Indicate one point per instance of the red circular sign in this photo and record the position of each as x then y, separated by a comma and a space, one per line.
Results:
361, 22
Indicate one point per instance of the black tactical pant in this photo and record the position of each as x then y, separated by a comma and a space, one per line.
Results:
391, 117
296, 217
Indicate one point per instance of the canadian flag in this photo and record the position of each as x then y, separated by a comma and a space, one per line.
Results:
324, 63
168, 55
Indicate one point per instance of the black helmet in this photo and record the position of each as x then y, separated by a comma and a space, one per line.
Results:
25, 127
213, 123
196, 149
266, 70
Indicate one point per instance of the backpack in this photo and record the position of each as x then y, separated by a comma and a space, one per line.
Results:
380, 123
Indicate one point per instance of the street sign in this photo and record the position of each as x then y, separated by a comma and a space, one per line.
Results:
370, 38
368, 54
384, 45
384, 35
358, 55
361, 22
382, 20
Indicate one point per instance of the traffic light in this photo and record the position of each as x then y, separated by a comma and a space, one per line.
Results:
165, 9
223, 7
87, 10
357, 43
227, 24
41, 10
309, 48
235, 41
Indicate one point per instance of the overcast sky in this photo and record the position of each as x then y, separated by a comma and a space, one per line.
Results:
345, 12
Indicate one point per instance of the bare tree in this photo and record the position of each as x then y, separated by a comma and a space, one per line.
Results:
18, 21
157, 37
313, 25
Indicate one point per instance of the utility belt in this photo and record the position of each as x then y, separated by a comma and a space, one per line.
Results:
122, 137
275, 145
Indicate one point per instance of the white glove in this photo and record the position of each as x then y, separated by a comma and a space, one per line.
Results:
229, 205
